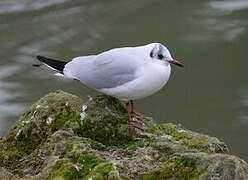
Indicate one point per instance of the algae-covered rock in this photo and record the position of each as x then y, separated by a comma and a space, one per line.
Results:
62, 137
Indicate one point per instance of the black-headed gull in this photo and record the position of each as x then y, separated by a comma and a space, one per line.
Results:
127, 73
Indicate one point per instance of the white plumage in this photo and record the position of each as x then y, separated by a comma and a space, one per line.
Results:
127, 73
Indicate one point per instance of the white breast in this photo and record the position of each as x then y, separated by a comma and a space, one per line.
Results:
150, 79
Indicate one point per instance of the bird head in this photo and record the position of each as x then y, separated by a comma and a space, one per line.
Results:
160, 52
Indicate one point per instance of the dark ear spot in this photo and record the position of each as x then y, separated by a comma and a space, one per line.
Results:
151, 54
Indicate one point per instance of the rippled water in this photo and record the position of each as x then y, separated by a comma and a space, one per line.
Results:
209, 95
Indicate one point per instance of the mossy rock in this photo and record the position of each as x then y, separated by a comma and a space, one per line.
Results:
62, 137
105, 120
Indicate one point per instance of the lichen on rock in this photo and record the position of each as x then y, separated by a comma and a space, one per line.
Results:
62, 137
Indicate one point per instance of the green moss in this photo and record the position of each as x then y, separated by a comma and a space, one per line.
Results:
1, 159
106, 121
101, 170
154, 129
120, 108
63, 169
68, 148
88, 163
32, 128
172, 130
111, 102
12, 150
86, 160
28, 113
197, 144
165, 150
101, 126
185, 139
168, 129
51, 140
132, 146
201, 145
66, 167
124, 177
177, 168
94, 144
64, 115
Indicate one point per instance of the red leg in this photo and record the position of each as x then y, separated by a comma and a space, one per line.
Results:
132, 122
136, 124
131, 102
128, 108
140, 116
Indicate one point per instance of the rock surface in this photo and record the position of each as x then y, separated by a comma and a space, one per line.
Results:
62, 137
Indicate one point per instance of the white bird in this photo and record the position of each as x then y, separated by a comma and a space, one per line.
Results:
127, 73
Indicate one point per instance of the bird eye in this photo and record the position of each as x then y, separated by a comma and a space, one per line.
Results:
160, 56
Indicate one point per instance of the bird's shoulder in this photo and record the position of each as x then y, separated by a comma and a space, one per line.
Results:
82, 59
113, 56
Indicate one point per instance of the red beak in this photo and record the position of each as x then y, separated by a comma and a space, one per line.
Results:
176, 63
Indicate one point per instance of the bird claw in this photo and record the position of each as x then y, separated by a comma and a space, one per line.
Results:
141, 117
136, 124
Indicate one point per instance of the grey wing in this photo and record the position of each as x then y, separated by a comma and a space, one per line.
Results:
106, 70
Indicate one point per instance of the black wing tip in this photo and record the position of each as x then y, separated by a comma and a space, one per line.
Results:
57, 65
40, 57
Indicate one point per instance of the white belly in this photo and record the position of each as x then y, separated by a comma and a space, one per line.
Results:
150, 79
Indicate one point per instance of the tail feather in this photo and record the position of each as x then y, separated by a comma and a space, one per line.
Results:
52, 63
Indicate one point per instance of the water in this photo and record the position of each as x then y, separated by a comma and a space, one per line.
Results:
209, 95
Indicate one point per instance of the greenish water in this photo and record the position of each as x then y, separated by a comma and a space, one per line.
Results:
209, 95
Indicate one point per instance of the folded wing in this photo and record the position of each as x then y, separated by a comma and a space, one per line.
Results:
106, 70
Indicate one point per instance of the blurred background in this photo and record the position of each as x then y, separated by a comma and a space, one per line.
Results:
209, 95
